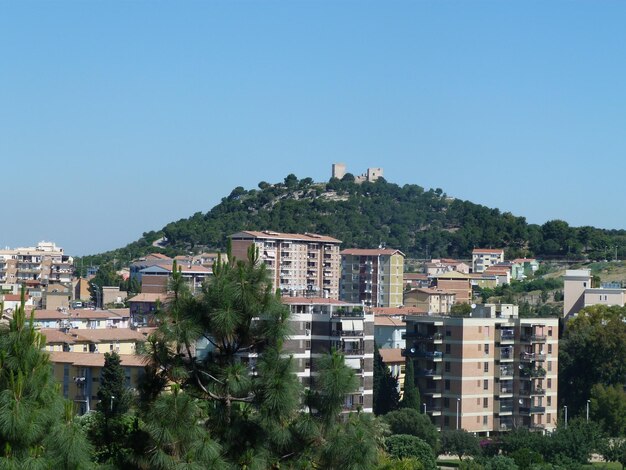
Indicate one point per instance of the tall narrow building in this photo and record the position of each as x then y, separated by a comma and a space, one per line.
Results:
300, 264
373, 277
320, 326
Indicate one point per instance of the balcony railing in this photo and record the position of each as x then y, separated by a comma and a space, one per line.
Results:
426, 354
422, 337
353, 352
532, 357
533, 338
532, 392
532, 409
427, 372
347, 333
533, 372
356, 312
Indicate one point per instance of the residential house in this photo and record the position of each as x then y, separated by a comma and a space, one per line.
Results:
482, 258
433, 300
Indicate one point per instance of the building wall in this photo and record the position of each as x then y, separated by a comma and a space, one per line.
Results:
575, 282
464, 362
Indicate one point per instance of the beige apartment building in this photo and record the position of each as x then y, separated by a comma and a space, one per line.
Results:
486, 373
321, 325
578, 293
374, 277
300, 264
436, 301
482, 258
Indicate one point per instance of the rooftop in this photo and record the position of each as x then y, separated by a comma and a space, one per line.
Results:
371, 252
95, 359
268, 234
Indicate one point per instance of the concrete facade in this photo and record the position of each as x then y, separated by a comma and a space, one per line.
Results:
373, 277
321, 325
299, 264
486, 373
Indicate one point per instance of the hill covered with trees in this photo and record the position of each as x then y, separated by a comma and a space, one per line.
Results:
422, 223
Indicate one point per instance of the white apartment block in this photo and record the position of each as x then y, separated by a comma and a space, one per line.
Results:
482, 258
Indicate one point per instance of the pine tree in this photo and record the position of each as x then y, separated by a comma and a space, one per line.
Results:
37, 429
244, 391
411, 396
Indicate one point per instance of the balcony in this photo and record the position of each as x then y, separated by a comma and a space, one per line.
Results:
531, 372
506, 373
507, 337
353, 352
412, 352
505, 409
530, 410
344, 333
356, 312
533, 338
505, 390
418, 336
532, 357
434, 373
534, 391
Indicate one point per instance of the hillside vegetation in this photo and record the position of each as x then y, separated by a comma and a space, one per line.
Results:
422, 223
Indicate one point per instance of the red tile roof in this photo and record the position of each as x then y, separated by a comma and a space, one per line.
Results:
487, 250
391, 355
370, 251
388, 320
268, 234
95, 359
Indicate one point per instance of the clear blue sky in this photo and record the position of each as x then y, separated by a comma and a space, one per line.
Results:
119, 117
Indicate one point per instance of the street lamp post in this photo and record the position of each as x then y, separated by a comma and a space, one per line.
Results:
458, 402
565, 409
424, 404
112, 397
588, 410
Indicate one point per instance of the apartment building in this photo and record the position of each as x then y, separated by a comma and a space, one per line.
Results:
321, 325
44, 263
436, 301
374, 277
579, 293
482, 258
157, 270
488, 372
458, 283
299, 264
79, 375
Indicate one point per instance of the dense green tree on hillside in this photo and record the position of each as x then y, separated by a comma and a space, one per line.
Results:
421, 223
37, 428
608, 408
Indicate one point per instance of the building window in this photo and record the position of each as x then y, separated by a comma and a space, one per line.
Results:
448, 333
486, 420
446, 402
479, 346
549, 366
550, 331
307, 344
549, 399
447, 384
549, 383
485, 402
485, 384
480, 329
447, 349
549, 349
446, 420
447, 367
486, 368
486, 349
